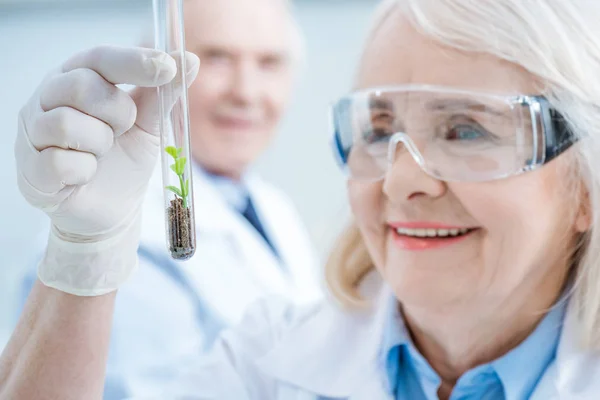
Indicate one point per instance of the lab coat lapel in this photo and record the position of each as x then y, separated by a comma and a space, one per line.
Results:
286, 231
372, 388
257, 256
335, 352
575, 374
547, 388
578, 371
232, 266
254, 251
213, 214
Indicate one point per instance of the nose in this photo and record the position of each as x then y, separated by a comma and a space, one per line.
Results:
405, 178
245, 87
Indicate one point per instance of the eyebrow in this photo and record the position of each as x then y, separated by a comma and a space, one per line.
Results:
461, 104
276, 55
227, 48
381, 104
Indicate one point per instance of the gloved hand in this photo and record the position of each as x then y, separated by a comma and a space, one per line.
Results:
85, 150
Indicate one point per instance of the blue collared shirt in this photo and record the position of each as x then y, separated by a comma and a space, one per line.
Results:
513, 376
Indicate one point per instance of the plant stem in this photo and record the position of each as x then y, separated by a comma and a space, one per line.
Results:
184, 198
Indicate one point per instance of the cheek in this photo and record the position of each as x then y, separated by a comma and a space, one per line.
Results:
524, 225
503, 238
276, 99
203, 98
366, 202
207, 90
198, 98
516, 210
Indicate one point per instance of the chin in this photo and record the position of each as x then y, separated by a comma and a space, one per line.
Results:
422, 287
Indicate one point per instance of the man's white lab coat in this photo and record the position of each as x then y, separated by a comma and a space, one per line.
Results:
171, 310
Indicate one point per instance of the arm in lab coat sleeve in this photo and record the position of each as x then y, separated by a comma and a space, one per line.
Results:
229, 371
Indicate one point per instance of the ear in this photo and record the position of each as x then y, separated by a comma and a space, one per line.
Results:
583, 218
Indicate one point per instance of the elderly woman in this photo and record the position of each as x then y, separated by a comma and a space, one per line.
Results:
471, 270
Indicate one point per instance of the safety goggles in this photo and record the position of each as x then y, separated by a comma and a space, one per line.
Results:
453, 135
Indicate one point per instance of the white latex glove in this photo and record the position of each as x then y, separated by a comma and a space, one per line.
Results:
85, 150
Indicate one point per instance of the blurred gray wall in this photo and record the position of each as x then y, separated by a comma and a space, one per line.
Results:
36, 36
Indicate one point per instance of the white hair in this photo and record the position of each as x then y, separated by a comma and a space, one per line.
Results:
559, 42
297, 42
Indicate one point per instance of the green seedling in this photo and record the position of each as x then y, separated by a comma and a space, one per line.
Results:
179, 167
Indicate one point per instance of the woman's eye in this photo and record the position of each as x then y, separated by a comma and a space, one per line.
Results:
466, 132
380, 127
377, 134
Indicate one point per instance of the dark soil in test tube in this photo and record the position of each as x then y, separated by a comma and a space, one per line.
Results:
180, 230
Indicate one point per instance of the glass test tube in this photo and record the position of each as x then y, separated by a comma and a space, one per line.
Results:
174, 133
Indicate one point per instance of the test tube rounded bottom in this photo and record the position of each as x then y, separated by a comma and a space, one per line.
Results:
180, 230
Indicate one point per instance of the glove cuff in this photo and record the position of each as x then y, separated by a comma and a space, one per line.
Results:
90, 267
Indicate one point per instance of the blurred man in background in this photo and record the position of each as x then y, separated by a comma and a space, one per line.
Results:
250, 240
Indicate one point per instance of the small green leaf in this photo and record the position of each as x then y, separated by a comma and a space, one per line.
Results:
179, 150
174, 168
180, 165
175, 190
172, 151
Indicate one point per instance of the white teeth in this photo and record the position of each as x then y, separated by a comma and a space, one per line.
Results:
431, 232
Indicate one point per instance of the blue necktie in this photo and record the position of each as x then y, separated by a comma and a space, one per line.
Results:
252, 217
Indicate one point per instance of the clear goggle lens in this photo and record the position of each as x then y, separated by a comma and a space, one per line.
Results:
453, 135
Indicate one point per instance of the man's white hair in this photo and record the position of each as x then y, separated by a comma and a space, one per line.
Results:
297, 42
297, 36
559, 42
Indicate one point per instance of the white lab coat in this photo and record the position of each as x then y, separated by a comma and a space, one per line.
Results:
324, 352
156, 323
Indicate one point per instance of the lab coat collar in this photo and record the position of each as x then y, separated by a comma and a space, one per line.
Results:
233, 193
577, 375
335, 352
212, 212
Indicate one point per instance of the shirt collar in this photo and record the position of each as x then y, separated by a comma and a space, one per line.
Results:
395, 335
517, 377
539, 349
235, 193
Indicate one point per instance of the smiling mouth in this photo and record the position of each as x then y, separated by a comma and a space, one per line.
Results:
433, 233
429, 238
234, 122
